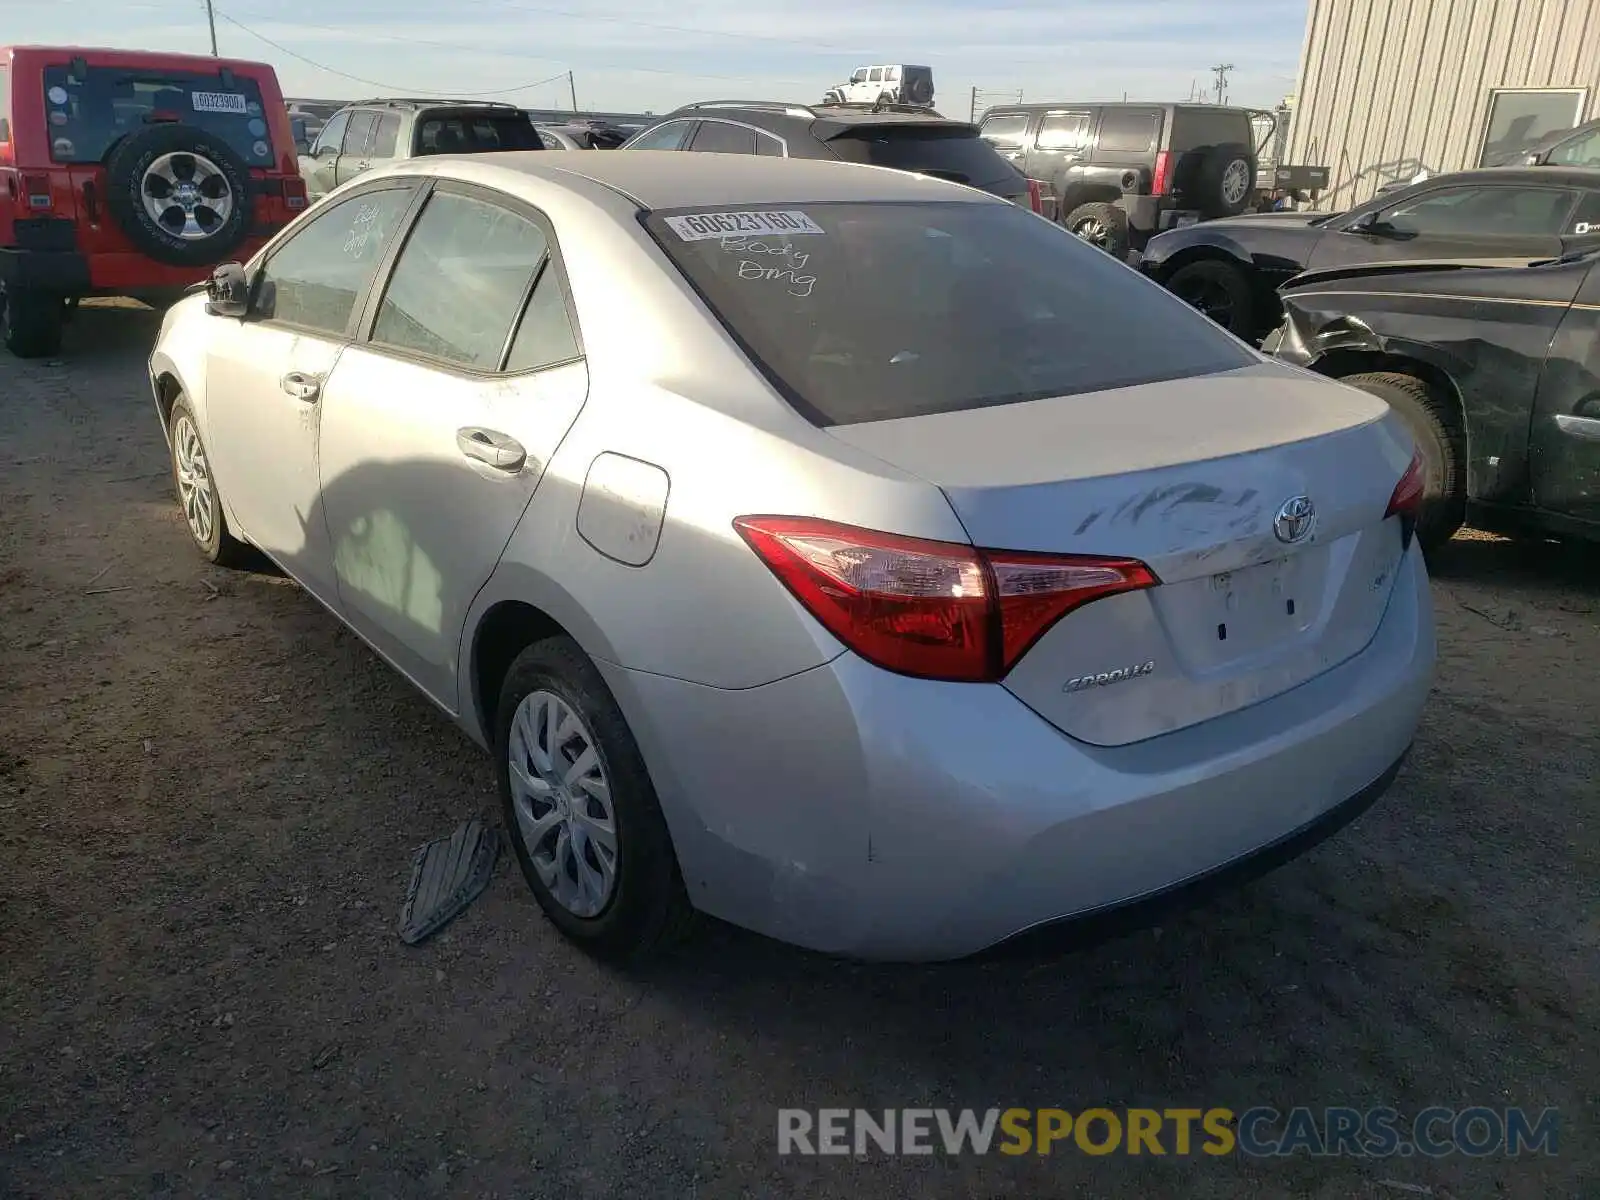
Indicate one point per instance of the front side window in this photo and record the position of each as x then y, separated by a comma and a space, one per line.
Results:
1579, 152
873, 311
332, 135
719, 137
88, 116
1064, 131
1006, 129
664, 137
859, 75
1463, 211
1519, 119
460, 281
314, 280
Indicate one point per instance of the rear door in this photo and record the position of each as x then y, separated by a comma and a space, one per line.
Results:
356, 154
436, 430
1126, 140
1460, 221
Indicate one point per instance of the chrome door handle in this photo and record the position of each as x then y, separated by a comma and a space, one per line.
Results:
1587, 428
302, 386
500, 451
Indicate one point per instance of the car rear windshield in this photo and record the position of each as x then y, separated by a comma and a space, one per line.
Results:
872, 311
1193, 128
476, 133
90, 114
958, 155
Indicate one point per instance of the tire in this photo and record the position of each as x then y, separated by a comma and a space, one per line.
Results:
31, 321
885, 99
1221, 291
196, 488
644, 908
919, 90
1224, 181
1102, 225
160, 154
1436, 426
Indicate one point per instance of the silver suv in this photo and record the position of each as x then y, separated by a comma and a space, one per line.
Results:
375, 133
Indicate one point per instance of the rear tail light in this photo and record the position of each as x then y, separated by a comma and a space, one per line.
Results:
1161, 180
37, 189
1035, 197
1405, 501
934, 610
294, 192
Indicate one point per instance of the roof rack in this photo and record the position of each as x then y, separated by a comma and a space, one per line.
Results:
792, 109
420, 101
783, 106
873, 106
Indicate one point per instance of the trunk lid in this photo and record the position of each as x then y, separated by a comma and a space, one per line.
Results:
1190, 477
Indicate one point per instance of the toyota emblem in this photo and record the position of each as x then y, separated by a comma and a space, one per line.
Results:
1295, 520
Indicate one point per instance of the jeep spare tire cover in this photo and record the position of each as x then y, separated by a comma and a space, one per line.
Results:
180, 194
919, 89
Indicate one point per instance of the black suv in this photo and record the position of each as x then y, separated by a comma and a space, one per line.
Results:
1117, 174
902, 136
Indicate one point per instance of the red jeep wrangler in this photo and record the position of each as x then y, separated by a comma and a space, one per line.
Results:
126, 173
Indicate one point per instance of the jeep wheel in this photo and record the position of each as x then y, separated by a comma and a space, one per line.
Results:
1225, 180
1220, 291
180, 194
30, 322
1102, 225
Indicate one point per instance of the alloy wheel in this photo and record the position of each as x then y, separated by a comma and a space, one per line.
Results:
1235, 182
186, 195
194, 480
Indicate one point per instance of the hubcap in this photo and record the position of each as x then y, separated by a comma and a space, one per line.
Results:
1091, 231
563, 804
1236, 181
187, 195
194, 480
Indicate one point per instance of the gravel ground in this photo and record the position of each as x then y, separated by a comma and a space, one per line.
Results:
210, 793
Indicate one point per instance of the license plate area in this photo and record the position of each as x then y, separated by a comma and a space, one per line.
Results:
1237, 616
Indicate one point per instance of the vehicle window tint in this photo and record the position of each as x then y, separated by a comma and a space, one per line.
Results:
545, 336
1193, 128
1007, 129
459, 281
769, 145
1579, 152
1005, 308
386, 135
476, 133
1063, 131
719, 137
89, 115
315, 278
663, 137
1586, 218
1514, 211
332, 135
949, 153
358, 137
1124, 131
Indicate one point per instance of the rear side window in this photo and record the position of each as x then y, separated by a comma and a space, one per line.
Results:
1006, 129
476, 133
1586, 220
459, 283
1129, 131
719, 137
1064, 130
385, 136
89, 116
358, 137
958, 155
869, 312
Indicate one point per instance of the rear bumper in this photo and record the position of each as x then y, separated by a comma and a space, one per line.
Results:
858, 812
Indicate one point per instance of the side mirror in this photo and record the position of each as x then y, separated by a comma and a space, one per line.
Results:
1371, 224
228, 291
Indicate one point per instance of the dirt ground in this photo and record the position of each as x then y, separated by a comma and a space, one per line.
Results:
210, 794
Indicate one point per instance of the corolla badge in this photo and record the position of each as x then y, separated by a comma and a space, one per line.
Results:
1295, 520
1103, 678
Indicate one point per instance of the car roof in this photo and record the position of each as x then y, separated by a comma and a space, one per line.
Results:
1042, 105
110, 56
657, 179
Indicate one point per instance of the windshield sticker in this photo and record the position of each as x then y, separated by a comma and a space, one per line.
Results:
219, 102
773, 261
698, 227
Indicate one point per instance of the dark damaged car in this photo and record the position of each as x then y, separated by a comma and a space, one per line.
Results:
1231, 269
1496, 370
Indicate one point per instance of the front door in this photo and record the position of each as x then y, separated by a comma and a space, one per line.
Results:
321, 166
266, 377
1564, 438
356, 156
1466, 221
436, 432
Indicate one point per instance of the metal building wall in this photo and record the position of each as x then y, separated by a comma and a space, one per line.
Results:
1389, 88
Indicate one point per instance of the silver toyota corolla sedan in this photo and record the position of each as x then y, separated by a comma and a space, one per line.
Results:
844, 553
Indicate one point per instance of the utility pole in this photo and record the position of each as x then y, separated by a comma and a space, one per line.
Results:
211, 21
1221, 72
972, 109
572, 89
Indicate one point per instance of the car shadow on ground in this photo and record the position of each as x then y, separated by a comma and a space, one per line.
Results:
1533, 563
110, 329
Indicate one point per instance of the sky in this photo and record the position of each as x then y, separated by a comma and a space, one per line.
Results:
638, 56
